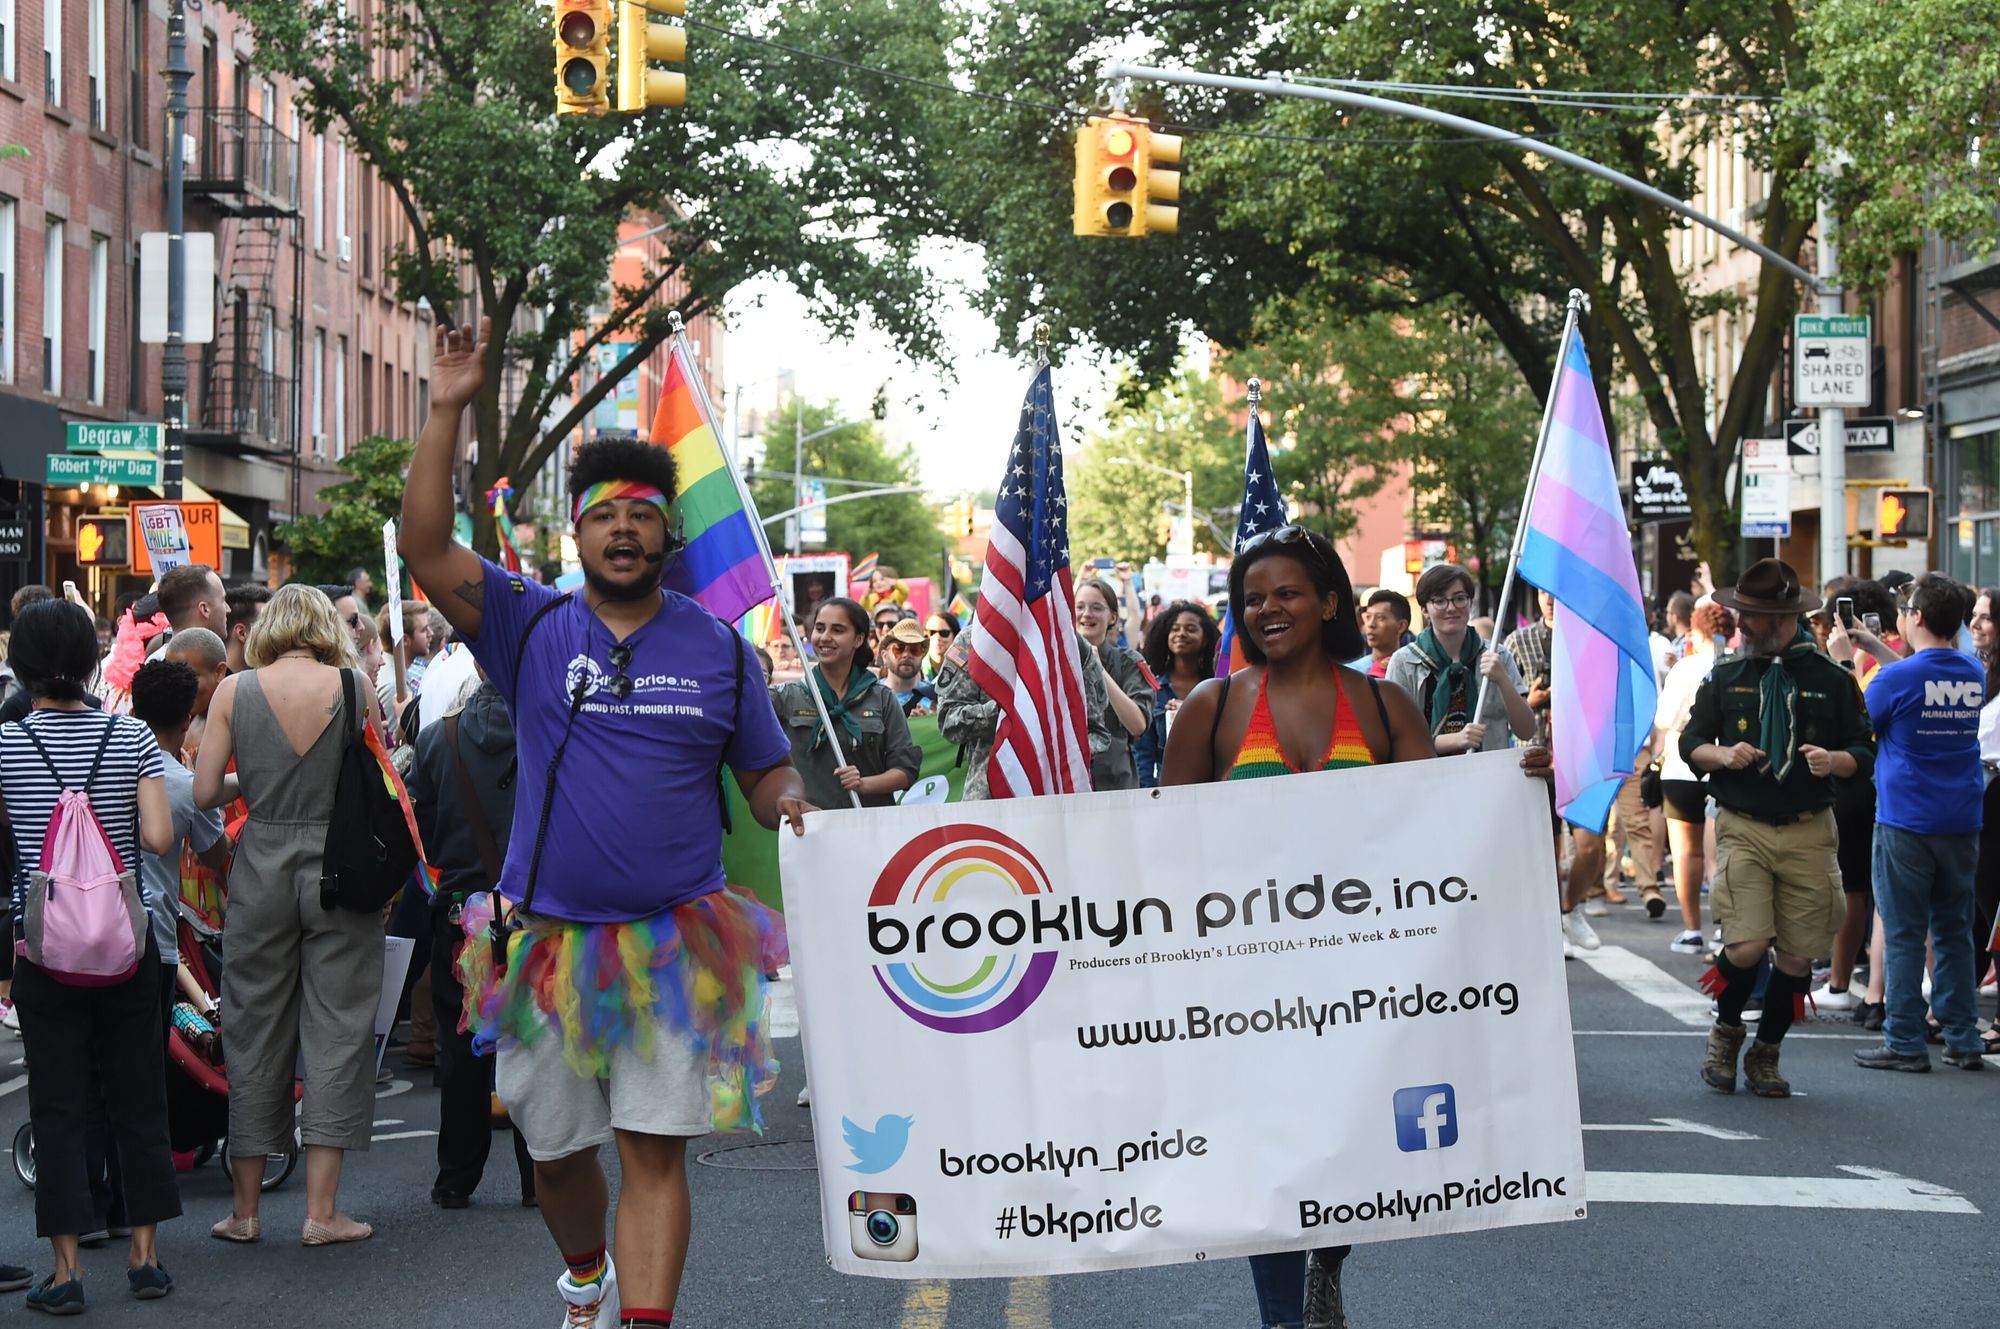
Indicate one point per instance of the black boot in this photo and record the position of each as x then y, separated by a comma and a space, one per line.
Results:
1325, 1309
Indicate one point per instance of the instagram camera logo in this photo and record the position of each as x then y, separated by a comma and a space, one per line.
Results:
1426, 1118
981, 984
882, 1225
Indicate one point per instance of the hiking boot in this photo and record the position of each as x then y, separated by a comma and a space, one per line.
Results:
1760, 1071
1724, 1042
1886, 1058
1965, 1061
1325, 1307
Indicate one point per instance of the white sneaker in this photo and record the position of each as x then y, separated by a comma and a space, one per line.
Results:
1985, 990
1688, 943
1826, 999
1596, 908
805, 1096
594, 1306
1569, 951
10, 1017
1578, 932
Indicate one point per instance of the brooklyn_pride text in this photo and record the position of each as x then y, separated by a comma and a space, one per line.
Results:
1046, 920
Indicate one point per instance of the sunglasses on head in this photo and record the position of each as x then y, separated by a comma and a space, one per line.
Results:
1295, 539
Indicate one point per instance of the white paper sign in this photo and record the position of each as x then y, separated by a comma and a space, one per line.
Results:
163, 531
930, 789
393, 579
1181, 1036
396, 953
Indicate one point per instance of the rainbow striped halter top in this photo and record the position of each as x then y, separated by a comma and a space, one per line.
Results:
1260, 754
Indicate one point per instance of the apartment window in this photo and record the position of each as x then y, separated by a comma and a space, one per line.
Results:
99, 90
319, 192
367, 222
52, 51
100, 293
8, 269
136, 28
318, 369
52, 306
7, 39
408, 425
369, 422
340, 398
340, 195
267, 109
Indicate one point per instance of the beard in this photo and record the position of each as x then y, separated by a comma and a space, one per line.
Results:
1769, 643
647, 585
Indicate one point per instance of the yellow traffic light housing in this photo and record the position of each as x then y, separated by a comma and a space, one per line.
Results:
1903, 514
1118, 177
641, 41
583, 56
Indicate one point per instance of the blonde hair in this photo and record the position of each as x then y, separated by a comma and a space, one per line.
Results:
412, 611
300, 618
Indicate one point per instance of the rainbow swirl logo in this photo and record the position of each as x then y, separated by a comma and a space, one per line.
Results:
964, 993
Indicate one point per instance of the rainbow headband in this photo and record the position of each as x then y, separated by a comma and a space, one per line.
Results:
604, 491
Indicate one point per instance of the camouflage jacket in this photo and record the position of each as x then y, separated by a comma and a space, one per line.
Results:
970, 718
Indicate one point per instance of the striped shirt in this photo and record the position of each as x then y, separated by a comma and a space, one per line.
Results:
71, 737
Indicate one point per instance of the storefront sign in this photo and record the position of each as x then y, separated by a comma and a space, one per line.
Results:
13, 539
64, 470
1658, 492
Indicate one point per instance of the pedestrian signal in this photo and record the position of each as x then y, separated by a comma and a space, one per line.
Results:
104, 542
641, 41
1903, 514
1115, 178
583, 54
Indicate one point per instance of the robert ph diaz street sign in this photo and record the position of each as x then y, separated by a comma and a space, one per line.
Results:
1830, 359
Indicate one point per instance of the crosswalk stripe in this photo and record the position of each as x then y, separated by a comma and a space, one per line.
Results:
925, 1304
1649, 983
1028, 1303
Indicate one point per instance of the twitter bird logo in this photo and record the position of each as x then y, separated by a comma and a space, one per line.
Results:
880, 1149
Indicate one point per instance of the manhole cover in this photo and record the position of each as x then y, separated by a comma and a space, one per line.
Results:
763, 1156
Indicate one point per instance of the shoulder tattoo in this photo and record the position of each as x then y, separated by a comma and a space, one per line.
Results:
472, 592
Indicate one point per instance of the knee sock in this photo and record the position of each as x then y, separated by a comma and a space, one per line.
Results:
1736, 990
586, 1268
1780, 1003
638, 1317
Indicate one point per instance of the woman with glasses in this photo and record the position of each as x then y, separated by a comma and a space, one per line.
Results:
302, 980
1128, 694
1180, 650
1446, 665
882, 758
942, 630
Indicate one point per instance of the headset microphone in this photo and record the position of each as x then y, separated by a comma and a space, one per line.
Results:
656, 558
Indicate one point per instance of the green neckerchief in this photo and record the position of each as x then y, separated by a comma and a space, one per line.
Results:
859, 683
1451, 673
1777, 699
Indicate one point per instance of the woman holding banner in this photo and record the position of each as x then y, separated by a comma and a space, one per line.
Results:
882, 758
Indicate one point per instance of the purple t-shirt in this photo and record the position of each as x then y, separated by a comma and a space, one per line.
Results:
635, 827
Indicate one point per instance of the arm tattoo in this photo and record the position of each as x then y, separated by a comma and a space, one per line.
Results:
472, 592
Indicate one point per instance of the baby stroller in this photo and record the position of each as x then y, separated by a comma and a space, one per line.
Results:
197, 1089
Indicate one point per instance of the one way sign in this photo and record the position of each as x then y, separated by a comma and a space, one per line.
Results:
1865, 433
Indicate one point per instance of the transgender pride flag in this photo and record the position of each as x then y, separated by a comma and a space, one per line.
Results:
724, 566
1602, 692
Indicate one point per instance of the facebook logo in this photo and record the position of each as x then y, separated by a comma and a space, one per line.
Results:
1426, 1118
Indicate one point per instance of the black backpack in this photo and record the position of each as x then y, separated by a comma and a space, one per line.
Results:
370, 852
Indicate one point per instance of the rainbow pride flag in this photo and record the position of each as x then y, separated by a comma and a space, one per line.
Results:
722, 566
865, 568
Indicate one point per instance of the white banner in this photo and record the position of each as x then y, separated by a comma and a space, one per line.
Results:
392, 579
1154, 1026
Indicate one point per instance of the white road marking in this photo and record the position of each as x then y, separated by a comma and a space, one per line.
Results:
20, 1082
388, 1121
1868, 1188
1678, 1126
402, 1135
391, 1089
1650, 983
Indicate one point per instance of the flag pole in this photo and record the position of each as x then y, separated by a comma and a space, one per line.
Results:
763, 545
1528, 495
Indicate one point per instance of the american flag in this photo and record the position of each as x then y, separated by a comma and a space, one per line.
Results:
1025, 652
1262, 511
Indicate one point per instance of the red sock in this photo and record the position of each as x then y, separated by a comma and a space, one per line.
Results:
587, 1268
644, 1317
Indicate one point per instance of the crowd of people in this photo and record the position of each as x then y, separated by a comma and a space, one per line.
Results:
1818, 771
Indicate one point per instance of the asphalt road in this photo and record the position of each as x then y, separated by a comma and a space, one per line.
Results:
1866, 1199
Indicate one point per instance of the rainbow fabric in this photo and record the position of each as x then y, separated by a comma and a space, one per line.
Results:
696, 970
865, 568
723, 566
605, 491
497, 499
760, 626
1602, 692
1262, 756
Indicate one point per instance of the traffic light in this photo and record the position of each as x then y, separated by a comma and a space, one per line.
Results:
104, 541
1903, 514
1118, 175
958, 517
583, 56
640, 40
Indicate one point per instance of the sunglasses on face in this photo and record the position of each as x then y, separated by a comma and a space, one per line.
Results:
942, 632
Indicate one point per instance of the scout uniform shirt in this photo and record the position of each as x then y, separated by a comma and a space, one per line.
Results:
885, 743
1827, 714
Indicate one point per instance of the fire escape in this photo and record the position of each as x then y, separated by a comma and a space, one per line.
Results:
246, 172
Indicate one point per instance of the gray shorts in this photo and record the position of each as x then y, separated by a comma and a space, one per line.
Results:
560, 1113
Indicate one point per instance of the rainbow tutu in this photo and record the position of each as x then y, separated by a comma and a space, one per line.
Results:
696, 970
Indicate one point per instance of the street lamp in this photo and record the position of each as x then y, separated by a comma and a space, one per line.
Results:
1186, 479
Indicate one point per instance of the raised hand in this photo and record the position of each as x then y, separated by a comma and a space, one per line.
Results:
458, 365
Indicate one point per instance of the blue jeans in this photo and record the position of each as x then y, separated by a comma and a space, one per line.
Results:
1923, 884
1281, 1286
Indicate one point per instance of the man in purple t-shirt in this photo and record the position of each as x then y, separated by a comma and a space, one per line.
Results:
627, 699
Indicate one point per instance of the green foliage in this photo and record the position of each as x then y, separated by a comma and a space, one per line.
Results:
349, 534
1118, 510
1910, 92
902, 528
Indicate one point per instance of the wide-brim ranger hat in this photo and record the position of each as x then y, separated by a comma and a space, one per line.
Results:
1769, 586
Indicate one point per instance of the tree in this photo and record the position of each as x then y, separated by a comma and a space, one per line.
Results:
902, 528
325, 547
1118, 510
778, 164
